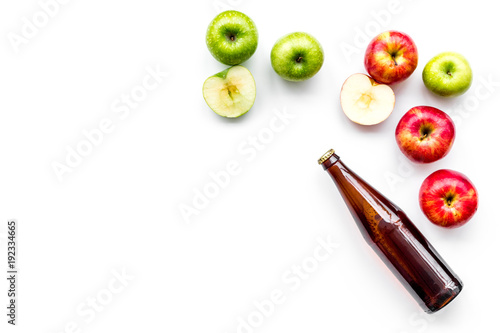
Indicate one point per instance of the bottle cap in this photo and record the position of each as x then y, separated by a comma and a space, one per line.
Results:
326, 156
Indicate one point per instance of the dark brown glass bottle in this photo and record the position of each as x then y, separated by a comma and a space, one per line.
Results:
395, 239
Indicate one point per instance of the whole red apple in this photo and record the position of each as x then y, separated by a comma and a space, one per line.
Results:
448, 198
391, 57
425, 134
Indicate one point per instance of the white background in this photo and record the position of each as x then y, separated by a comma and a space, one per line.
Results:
118, 210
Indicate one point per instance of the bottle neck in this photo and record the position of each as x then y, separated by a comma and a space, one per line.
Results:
351, 187
331, 161
362, 199
346, 180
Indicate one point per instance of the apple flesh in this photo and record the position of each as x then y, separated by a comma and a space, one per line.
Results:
232, 37
297, 56
365, 101
448, 198
447, 74
391, 57
230, 93
425, 134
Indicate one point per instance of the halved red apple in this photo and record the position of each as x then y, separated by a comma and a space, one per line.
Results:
366, 102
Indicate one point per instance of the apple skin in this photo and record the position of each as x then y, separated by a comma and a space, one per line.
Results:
448, 74
391, 57
425, 134
297, 56
232, 37
448, 198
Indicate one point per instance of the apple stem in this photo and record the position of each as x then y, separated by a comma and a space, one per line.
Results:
299, 59
425, 131
393, 57
449, 198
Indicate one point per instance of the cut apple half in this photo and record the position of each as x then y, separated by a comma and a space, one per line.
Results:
365, 101
230, 93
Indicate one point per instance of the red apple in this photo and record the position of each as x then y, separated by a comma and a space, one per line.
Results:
391, 57
425, 134
448, 198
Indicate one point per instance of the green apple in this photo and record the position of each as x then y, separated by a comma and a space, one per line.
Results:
232, 37
230, 93
297, 56
447, 74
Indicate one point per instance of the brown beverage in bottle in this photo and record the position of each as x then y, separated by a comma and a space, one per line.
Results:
395, 239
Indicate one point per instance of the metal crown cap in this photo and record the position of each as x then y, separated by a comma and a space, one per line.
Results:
326, 156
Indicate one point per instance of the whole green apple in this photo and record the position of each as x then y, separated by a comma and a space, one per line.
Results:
297, 56
232, 37
447, 74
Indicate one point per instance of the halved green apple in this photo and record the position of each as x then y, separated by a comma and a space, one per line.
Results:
230, 93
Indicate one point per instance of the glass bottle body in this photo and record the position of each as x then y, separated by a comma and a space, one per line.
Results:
396, 240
